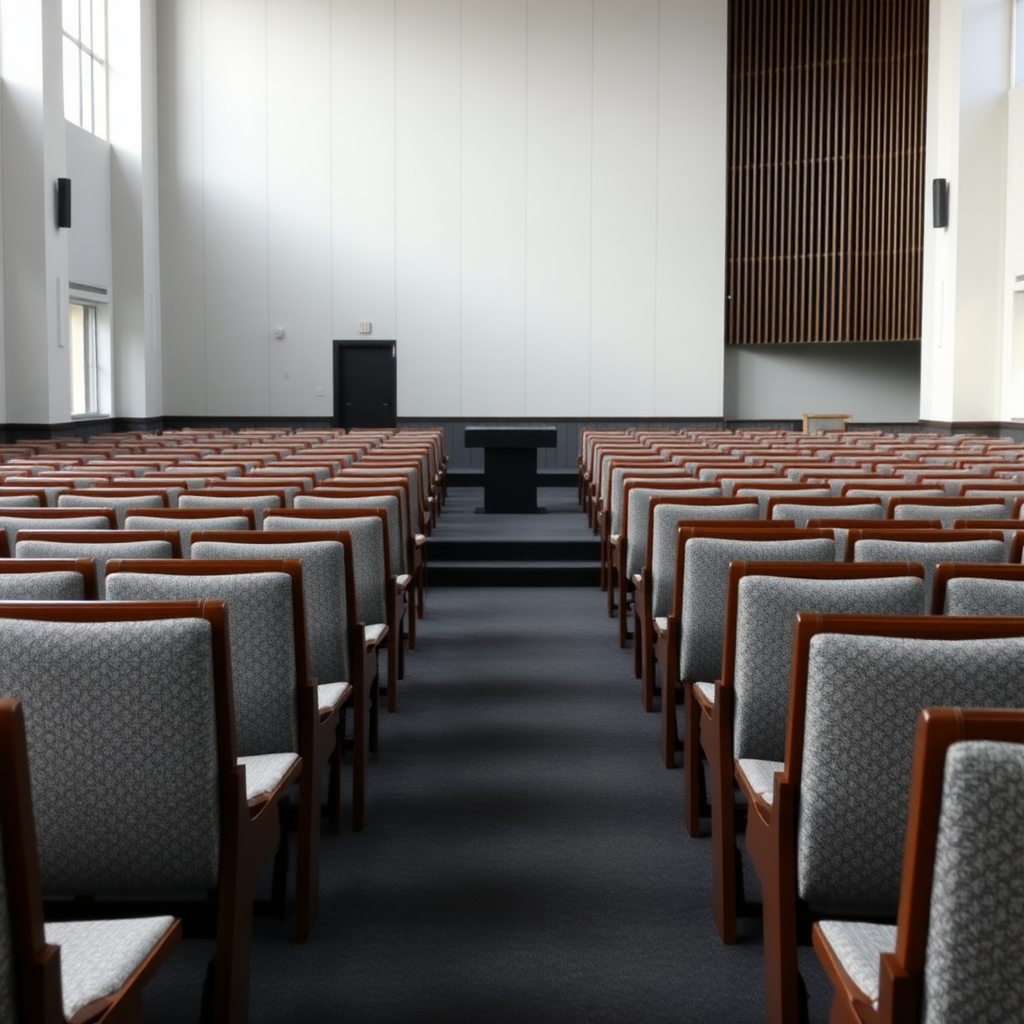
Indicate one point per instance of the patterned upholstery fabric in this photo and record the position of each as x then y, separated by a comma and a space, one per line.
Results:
947, 515
12, 524
120, 721
887, 496
761, 776
663, 545
705, 580
8, 983
618, 488
186, 526
863, 697
98, 957
330, 694
261, 631
264, 772
19, 501
976, 931
99, 553
858, 945
639, 504
367, 557
801, 513
929, 554
259, 503
766, 614
323, 591
76, 499
765, 494
388, 502
966, 595
42, 586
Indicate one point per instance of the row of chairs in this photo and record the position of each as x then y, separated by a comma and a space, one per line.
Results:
229, 714
802, 665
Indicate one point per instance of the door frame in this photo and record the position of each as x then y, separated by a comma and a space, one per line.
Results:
370, 343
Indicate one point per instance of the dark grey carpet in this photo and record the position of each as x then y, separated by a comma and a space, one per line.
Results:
524, 857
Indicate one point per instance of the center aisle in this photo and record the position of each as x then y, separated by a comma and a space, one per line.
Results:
524, 857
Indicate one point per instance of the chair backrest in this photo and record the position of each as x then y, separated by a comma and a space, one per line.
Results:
925, 546
370, 556
388, 503
17, 500
702, 577
764, 492
663, 514
48, 579
666, 479
960, 588
946, 510
150, 713
186, 520
803, 509
99, 545
258, 499
762, 602
51, 519
267, 633
328, 586
120, 503
858, 684
956, 950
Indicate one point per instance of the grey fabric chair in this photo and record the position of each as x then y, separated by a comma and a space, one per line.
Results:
342, 658
120, 503
47, 579
743, 714
953, 955
223, 497
99, 545
382, 599
188, 520
276, 707
800, 511
628, 541
688, 647
179, 814
826, 831
927, 547
947, 510
960, 588
20, 501
101, 966
653, 586
765, 492
51, 519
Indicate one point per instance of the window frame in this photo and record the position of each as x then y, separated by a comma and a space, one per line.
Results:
89, 60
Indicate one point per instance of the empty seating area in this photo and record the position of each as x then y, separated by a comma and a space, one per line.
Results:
228, 652
800, 612
794, 628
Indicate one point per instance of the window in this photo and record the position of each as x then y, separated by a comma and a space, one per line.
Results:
85, 376
85, 69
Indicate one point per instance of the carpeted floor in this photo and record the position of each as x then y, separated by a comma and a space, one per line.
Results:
524, 857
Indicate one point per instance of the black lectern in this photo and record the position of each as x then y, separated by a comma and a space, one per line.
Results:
510, 464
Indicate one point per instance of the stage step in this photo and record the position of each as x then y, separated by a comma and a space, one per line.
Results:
526, 563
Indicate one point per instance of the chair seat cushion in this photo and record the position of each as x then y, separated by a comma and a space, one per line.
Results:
98, 957
857, 946
330, 695
761, 775
707, 692
264, 772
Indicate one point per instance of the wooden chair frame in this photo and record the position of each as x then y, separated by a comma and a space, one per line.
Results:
771, 828
901, 973
715, 727
249, 833
363, 654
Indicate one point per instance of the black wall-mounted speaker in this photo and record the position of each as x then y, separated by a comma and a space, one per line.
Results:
940, 203
63, 202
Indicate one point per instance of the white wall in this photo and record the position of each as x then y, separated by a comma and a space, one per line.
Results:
528, 195
874, 383
90, 259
